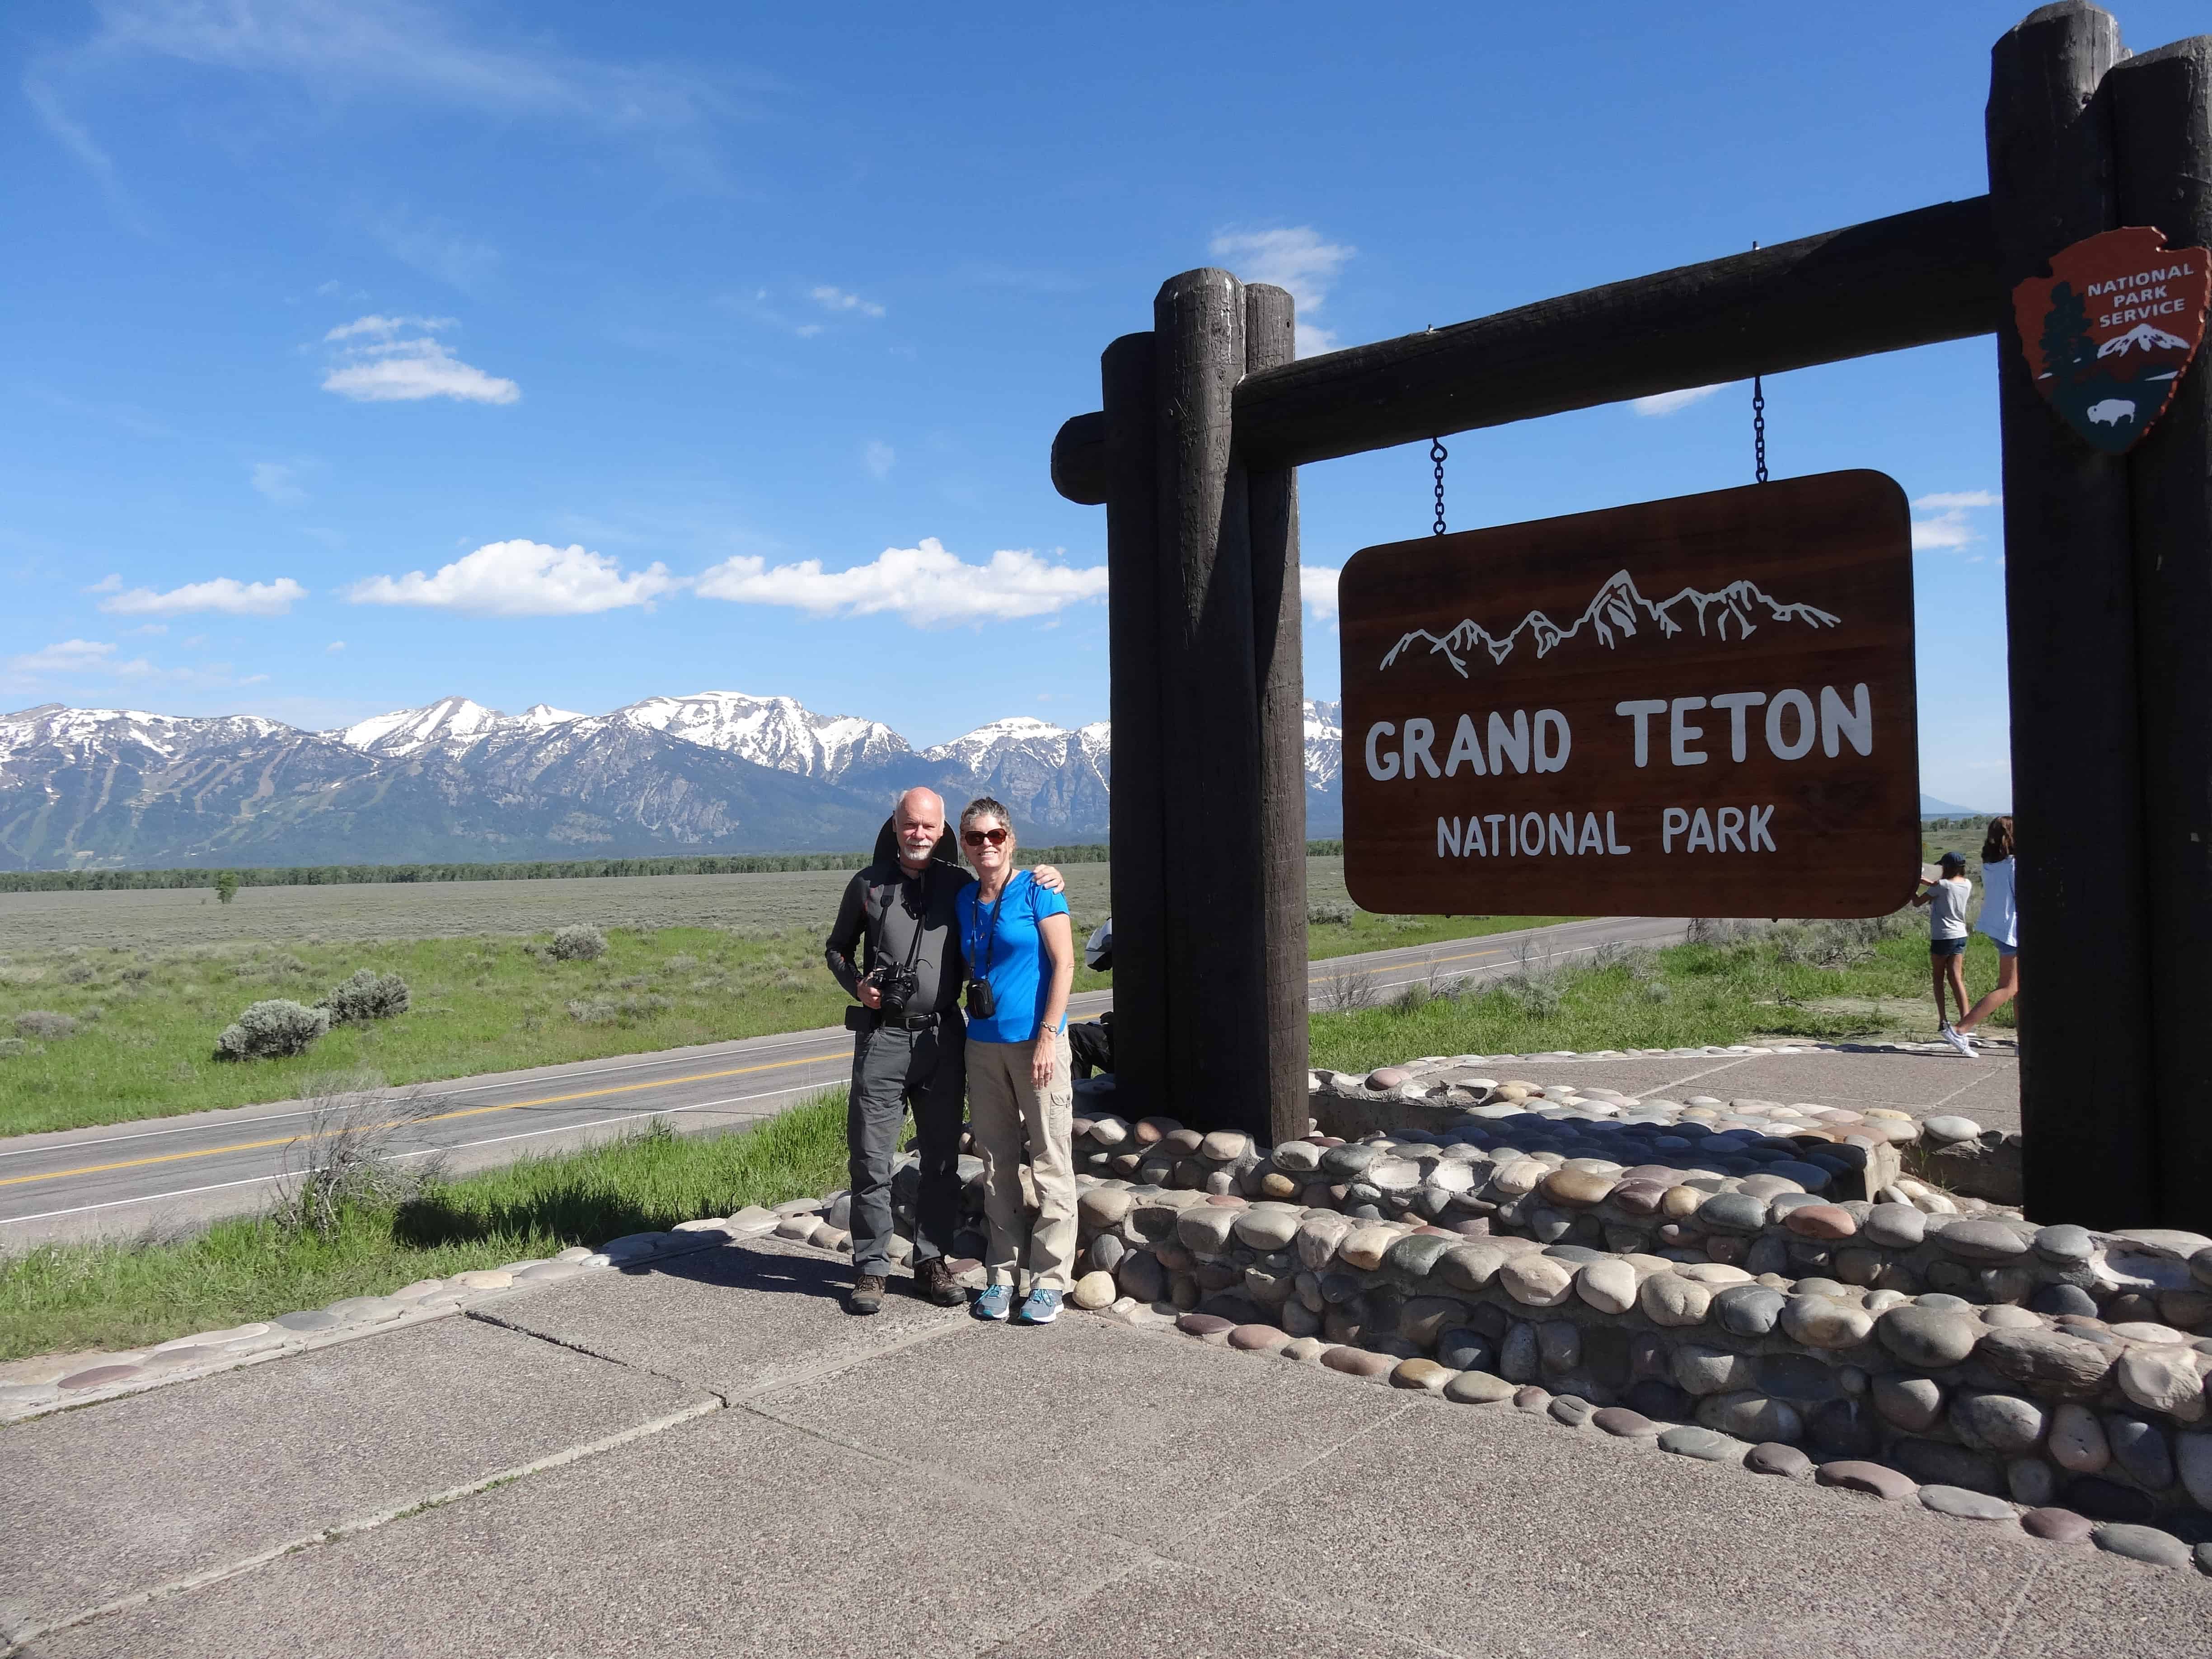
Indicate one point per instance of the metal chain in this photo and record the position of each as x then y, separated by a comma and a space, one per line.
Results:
1758, 427
1758, 420
1438, 453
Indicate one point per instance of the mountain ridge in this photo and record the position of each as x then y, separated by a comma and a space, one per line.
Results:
1613, 609
458, 781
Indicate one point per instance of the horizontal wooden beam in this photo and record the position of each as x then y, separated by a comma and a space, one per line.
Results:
1913, 279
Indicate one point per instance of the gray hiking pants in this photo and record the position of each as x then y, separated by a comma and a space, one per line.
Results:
892, 1069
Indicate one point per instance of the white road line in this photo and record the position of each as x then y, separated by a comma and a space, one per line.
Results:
426, 1152
1421, 958
687, 1057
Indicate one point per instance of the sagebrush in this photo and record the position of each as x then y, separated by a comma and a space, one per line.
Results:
579, 942
272, 1030
366, 995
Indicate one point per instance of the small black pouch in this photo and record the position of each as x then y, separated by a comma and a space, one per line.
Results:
860, 1019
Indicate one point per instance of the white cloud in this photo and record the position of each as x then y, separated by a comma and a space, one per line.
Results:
436, 249
1955, 498
1666, 403
74, 138
334, 648
69, 657
395, 360
1946, 532
277, 483
926, 584
1317, 588
837, 299
880, 459
155, 628
1296, 259
95, 659
374, 326
522, 578
226, 594
343, 47
1942, 523
107, 584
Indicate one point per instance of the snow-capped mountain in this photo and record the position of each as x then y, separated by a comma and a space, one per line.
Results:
1053, 780
448, 721
457, 781
2141, 337
1324, 743
770, 731
1612, 614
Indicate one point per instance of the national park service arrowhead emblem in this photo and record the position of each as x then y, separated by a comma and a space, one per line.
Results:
2109, 333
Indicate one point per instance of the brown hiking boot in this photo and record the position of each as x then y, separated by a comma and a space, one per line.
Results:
933, 1279
866, 1296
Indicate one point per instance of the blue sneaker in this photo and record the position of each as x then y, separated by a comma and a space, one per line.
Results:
994, 1303
1042, 1308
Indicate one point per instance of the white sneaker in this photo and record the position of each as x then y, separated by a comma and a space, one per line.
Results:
1958, 1040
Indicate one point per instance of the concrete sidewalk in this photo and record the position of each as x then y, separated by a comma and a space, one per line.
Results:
1985, 1088
707, 1456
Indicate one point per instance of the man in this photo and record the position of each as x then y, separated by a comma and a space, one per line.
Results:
914, 1056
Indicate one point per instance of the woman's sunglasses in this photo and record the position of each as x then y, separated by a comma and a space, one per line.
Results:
977, 838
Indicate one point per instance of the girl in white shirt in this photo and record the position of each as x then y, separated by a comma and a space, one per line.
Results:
1999, 923
1947, 898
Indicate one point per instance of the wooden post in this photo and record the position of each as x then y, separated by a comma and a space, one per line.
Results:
2162, 106
2085, 1099
1217, 1053
1141, 1010
1279, 664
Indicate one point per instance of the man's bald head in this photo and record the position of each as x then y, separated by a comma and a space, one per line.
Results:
918, 823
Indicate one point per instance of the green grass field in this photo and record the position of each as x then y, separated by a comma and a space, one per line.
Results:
1827, 980
63, 1298
142, 1019
1819, 979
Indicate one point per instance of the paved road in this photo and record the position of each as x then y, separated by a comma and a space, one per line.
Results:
178, 1173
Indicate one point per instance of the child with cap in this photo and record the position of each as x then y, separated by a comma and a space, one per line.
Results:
1946, 896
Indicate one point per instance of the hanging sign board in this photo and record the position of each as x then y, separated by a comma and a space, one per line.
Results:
2109, 333
1700, 706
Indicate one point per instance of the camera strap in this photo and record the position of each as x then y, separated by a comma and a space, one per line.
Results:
990, 934
921, 921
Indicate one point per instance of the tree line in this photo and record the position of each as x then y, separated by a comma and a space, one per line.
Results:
334, 875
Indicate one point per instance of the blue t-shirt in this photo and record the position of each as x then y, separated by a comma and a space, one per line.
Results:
1005, 936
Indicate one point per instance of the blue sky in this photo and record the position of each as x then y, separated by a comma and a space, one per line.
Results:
335, 325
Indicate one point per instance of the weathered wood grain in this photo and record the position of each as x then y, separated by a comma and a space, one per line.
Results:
2161, 104
1279, 666
2070, 605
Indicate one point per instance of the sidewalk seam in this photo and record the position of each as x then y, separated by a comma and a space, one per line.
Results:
498, 1324
354, 1525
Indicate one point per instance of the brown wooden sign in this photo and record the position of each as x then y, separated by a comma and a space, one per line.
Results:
2109, 332
1698, 707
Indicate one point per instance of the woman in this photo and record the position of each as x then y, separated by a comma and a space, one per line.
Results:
1021, 961
1999, 923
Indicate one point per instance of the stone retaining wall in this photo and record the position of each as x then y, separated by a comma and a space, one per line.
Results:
2052, 1364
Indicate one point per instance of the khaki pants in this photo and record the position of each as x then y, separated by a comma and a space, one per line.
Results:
1015, 1122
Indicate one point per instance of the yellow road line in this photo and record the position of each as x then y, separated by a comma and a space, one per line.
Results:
512, 1105
471, 1111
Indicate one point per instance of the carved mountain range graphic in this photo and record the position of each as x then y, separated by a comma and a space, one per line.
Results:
1732, 612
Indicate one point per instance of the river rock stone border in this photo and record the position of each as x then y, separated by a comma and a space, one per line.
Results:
1704, 1280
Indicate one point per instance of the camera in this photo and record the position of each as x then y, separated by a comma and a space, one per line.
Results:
897, 987
981, 1003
